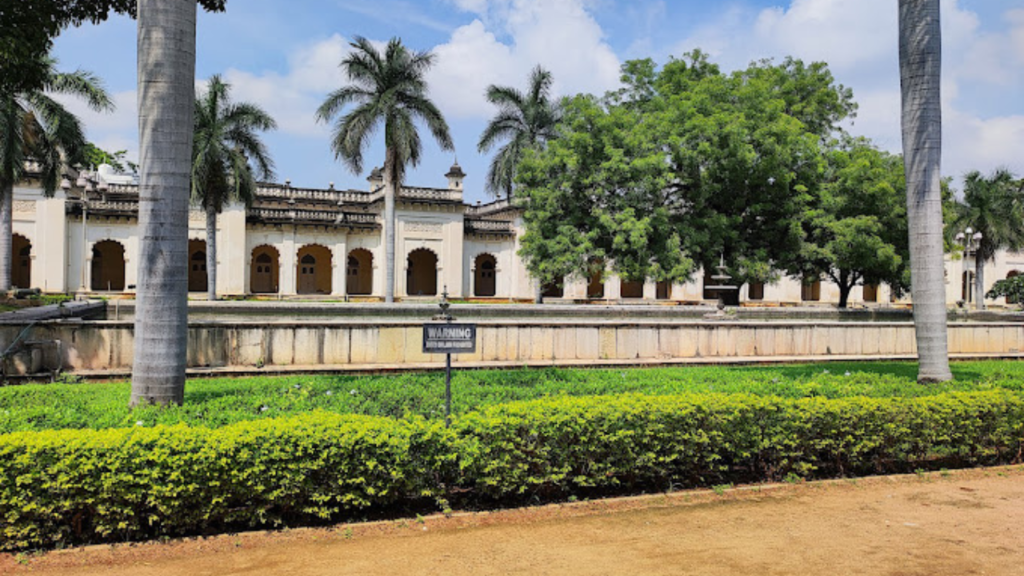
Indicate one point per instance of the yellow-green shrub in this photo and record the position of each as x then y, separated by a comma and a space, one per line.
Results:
69, 487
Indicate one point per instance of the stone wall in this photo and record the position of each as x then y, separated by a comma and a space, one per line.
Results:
108, 345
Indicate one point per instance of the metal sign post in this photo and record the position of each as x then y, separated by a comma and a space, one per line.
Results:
442, 336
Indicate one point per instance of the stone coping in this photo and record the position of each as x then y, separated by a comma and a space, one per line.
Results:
523, 322
272, 370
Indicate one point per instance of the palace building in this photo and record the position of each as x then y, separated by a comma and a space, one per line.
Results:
328, 243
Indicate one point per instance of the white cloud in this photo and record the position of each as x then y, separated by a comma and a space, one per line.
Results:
111, 131
292, 98
559, 35
858, 39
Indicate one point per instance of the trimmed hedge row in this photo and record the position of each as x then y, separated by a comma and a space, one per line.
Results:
69, 487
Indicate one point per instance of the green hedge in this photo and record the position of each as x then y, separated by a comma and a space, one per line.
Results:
69, 487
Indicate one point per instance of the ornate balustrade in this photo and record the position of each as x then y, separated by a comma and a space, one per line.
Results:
482, 226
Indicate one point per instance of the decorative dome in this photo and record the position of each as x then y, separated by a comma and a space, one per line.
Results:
455, 171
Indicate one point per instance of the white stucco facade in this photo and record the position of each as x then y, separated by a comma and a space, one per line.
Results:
327, 243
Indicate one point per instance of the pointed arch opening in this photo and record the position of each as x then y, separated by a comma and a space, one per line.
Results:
631, 288
21, 262
314, 270
663, 290
553, 290
359, 272
264, 270
1012, 274
197, 276
107, 266
421, 274
485, 270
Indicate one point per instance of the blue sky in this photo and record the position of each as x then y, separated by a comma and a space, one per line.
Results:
284, 56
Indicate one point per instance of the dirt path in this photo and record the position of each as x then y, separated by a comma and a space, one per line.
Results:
963, 523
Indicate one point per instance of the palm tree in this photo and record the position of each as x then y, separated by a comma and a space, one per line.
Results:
34, 126
386, 87
526, 121
225, 153
166, 70
992, 207
920, 68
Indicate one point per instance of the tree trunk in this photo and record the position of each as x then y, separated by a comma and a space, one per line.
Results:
844, 294
6, 235
539, 298
979, 281
391, 185
211, 253
920, 45
166, 71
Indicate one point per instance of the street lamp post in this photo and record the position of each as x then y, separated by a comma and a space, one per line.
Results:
971, 241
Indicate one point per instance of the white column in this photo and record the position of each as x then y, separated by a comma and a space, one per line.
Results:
650, 290
339, 259
287, 281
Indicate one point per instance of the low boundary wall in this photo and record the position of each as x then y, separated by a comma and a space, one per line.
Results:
108, 345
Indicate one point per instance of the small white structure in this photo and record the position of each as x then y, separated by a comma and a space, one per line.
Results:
305, 242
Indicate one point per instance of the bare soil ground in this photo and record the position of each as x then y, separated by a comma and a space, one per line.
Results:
963, 522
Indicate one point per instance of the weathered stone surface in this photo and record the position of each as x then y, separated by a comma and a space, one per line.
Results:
588, 343
608, 343
390, 345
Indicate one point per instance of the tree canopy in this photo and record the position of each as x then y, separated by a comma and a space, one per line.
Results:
856, 226
682, 166
29, 27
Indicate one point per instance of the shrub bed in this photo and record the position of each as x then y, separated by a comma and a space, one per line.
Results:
61, 488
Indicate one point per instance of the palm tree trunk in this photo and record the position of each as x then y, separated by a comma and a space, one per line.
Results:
920, 44
211, 253
6, 232
979, 281
166, 70
391, 185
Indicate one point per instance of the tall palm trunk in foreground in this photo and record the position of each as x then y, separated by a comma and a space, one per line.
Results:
167, 60
6, 231
920, 72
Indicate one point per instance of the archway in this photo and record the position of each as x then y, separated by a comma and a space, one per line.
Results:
870, 292
314, 270
108, 266
631, 289
21, 262
485, 275
810, 289
197, 277
663, 290
263, 273
1012, 274
755, 291
421, 275
595, 283
359, 274
553, 290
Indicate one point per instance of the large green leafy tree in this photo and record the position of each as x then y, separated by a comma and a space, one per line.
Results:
34, 126
695, 164
994, 207
29, 27
386, 88
227, 158
525, 121
920, 48
600, 193
856, 226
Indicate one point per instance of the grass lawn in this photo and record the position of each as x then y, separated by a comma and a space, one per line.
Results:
218, 402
